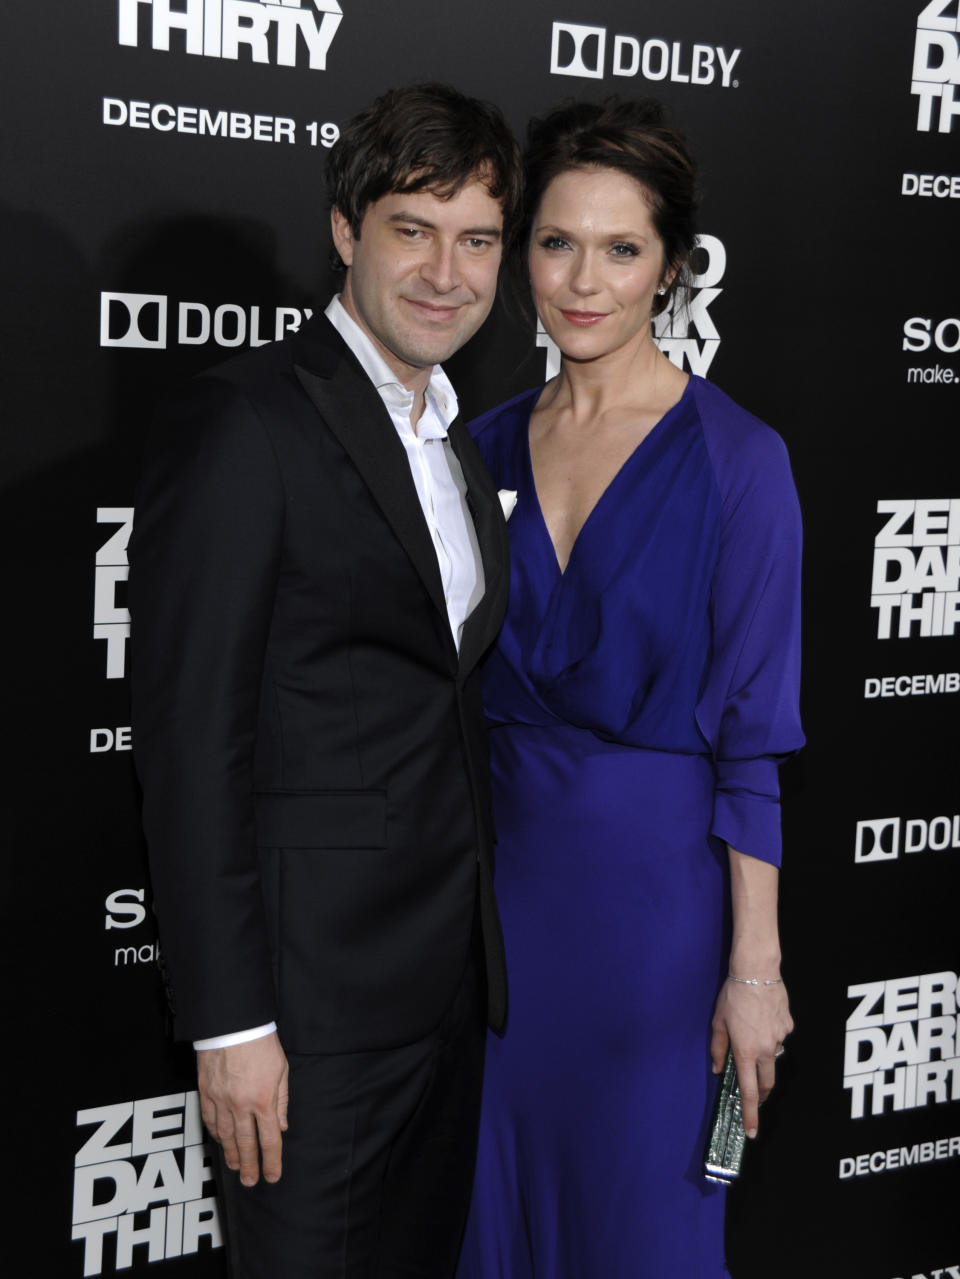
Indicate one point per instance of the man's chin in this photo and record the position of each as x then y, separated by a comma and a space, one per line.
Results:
434, 341
424, 355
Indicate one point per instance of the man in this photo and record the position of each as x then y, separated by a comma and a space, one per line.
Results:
319, 562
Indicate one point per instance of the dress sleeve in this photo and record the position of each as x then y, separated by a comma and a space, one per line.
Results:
749, 709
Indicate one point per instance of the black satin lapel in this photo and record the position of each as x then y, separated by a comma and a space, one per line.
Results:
481, 627
354, 412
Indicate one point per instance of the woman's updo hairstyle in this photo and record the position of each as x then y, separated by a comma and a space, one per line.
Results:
630, 136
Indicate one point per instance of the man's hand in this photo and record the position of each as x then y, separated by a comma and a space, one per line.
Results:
243, 1100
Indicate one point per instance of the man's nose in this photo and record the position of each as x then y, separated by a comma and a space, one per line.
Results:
440, 268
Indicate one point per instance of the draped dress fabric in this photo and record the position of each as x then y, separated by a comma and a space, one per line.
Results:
638, 703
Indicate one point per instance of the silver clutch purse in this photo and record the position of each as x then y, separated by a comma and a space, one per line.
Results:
727, 1137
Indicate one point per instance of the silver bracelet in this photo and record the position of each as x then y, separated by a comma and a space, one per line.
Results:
756, 981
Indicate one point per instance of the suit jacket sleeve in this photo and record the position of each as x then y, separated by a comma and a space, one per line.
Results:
205, 558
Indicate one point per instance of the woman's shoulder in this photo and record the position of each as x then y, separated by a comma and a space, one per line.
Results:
505, 417
736, 440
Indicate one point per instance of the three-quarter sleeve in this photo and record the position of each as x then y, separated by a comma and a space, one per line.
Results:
749, 710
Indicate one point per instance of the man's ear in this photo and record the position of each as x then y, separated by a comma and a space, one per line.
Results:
342, 234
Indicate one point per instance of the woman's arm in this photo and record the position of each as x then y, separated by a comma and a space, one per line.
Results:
752, 1020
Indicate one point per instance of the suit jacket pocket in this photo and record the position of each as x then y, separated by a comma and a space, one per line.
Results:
321, 819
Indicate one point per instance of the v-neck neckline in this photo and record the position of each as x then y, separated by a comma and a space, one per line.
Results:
638, 448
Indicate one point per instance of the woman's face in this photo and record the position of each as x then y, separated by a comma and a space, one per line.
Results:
595, 263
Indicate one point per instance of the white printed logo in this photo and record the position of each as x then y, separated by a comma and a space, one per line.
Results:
920, 333
111, 621
912, 685
239, 125
141, 321
137, 320
936, 66
939, 186
901, 1044
897, 1157
916, 568
546, 342
942, 1272
579, 50
270, 31
124, 908
879, 840
143, 1156
583, 42
672, 327
110, 739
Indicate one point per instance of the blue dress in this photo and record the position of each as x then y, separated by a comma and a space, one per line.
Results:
638, 704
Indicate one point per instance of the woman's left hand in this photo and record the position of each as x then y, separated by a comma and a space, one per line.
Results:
753, 1021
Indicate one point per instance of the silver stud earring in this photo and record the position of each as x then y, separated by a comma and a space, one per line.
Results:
661, 291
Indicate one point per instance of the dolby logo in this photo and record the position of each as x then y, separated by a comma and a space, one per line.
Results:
579, 50
883, 839
133, 319
143, 322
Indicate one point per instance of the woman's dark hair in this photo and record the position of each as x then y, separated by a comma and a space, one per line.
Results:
424, 137
630, 136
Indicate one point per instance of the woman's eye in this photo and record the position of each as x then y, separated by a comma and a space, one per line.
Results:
622, 250
554, 242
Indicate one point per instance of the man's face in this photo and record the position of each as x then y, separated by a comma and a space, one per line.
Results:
422, 274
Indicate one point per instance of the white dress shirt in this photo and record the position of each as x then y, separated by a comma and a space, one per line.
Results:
442, 491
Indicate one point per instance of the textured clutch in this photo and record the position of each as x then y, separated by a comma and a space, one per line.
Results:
727, 1138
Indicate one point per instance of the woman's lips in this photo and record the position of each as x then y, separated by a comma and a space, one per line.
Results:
583, 318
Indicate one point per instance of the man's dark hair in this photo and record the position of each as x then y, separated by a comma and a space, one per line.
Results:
423, 137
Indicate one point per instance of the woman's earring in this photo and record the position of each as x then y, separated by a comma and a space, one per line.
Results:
661, 291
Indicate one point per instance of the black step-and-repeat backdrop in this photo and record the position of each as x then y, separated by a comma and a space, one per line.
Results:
163, 206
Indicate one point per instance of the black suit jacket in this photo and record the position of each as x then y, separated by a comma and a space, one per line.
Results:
310, 744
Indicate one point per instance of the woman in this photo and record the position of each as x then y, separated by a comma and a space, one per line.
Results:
640, 696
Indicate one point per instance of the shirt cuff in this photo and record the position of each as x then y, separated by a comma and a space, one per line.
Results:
235, 1037
746, 811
